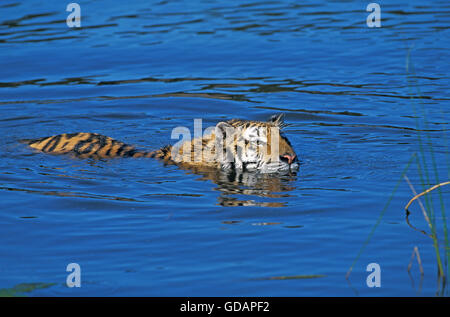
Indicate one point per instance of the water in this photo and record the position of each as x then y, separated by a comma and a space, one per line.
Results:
138, 69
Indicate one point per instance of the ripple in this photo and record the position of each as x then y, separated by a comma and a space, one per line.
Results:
70, 194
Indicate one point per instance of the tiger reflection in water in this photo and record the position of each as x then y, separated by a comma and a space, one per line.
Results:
255, 189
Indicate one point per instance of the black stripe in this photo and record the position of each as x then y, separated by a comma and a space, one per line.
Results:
101, 139
31, 142
64, 145
166, 150
57, 140
71, 135
44, 149
231, 175
129, 153
120, 150
89, 148
80, 144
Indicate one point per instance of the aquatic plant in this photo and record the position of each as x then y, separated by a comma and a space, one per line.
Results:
22, 289
430, 182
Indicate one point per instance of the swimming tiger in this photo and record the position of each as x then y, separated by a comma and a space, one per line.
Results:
244, 145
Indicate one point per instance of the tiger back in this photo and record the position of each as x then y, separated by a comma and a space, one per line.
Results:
88, 145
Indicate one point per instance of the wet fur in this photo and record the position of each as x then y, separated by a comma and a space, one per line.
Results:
97, 146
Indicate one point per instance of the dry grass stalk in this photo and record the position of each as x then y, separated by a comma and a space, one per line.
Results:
425, 215
425, 192
416, 253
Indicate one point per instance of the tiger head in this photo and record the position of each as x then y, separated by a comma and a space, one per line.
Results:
255, 146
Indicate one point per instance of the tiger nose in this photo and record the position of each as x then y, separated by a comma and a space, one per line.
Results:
289, 157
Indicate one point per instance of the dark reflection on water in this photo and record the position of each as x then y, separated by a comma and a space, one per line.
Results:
67, 194
233, 184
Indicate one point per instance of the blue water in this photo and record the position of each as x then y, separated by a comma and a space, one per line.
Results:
359, 102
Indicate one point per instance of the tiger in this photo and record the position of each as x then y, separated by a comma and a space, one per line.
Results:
242, 145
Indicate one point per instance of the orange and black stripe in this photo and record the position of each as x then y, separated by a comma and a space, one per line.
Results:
91, 145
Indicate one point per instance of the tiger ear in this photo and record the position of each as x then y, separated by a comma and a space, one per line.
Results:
277, 120
222, 129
